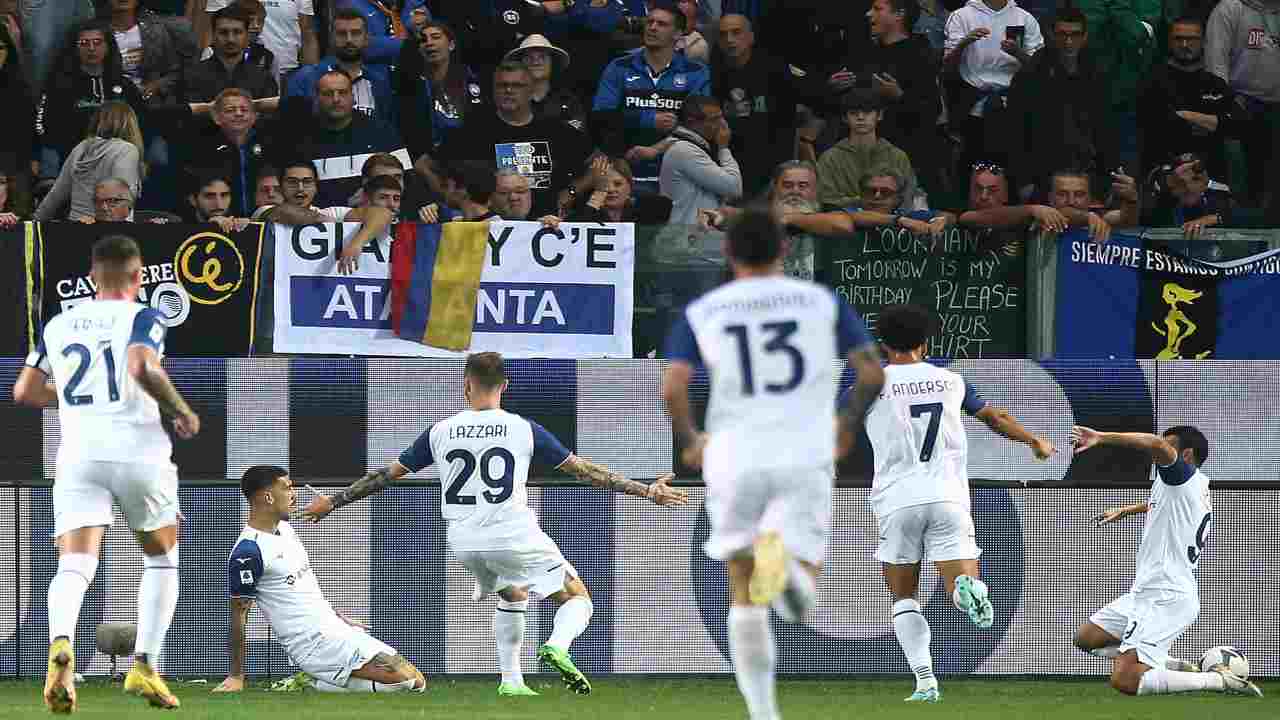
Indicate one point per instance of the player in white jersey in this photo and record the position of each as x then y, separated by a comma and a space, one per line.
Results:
491, 528
1137, 629
270, 567
769, 344
920, 492
104, 360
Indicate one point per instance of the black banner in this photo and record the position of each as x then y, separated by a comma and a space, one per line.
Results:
1177, 314
203, 282
975, 281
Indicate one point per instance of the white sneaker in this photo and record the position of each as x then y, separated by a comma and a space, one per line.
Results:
1234, 684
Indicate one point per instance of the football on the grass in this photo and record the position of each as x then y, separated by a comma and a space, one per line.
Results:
1225, 655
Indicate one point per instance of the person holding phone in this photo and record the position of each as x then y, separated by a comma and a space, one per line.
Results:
984, 49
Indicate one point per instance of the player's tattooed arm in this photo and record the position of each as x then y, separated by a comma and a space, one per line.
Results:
371, 484
865, 361
602, 477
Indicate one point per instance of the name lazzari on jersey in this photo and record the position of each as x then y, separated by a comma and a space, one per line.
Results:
477, 432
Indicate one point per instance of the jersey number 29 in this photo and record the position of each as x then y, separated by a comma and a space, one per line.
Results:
504, 483
779, 333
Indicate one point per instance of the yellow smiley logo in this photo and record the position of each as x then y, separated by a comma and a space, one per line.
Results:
210, 267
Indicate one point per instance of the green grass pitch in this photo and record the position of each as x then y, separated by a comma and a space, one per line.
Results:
669, 699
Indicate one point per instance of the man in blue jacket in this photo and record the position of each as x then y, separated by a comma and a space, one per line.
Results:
640, 94
371, 84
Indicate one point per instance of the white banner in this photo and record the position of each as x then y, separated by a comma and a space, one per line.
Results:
565, 293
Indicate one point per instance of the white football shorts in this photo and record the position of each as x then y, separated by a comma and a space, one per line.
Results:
335, 655
939, 530
743, 503
83, 491
537, 565
1148, 622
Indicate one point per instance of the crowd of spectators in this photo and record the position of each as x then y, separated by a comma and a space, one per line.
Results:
914, 113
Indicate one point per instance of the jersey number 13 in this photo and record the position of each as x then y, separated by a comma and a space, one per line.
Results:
778, 336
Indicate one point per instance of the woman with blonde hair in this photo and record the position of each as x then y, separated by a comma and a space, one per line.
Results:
113, 148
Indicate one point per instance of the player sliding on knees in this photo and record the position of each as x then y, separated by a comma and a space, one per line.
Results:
490, 526
270, 567
920, 493
1137, 629
110, 389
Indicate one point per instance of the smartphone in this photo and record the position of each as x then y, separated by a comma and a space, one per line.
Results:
1015, 34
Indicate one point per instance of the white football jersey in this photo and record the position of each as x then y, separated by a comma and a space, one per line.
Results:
1179, 517
485, 457
917, 435
103, 412
275, 570
769, 345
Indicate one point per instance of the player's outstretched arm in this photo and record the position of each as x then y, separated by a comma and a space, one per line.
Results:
1003, 423
145, 368
240, 608
373, 483
659, 492
1160, 452
1107, 517
33, 389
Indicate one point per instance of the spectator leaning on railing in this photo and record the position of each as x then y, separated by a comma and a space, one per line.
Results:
113, 202
610, 198
300, 183
699, 171
210, 202
1187, 197
1071, 194
512, 198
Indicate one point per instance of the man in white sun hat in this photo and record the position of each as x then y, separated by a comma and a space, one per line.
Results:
552, 97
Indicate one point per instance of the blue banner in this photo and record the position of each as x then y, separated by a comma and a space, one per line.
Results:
1133, 298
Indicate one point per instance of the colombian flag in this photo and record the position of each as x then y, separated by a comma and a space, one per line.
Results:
435, 277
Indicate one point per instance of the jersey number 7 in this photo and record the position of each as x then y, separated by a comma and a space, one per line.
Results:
934, 411
778, 342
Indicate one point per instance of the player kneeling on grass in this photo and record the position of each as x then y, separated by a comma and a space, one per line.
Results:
270, 566
1137, 628
920, 493
491, 529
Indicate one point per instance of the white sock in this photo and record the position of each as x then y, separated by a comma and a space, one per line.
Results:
1108, 652
571, 620
754, 655
157, 601
66, 593
912, 629
1158, 681
508, 635
360, 685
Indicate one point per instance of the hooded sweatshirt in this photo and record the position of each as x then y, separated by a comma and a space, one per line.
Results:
841, 168
693, 180
984, 65
89, 163
1242, 46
